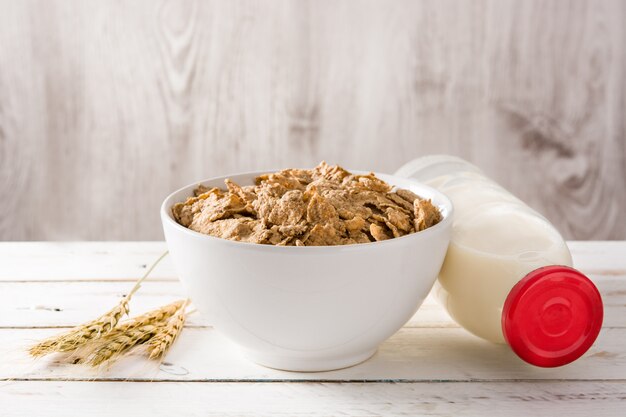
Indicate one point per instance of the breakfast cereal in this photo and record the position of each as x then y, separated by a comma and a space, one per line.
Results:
326, 205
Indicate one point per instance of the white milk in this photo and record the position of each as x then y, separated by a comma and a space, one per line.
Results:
492, 249
496, 241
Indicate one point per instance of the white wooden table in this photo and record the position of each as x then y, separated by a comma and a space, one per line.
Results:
430, 367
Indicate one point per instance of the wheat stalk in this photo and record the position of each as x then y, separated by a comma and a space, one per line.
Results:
130, 333
161, 342
92, 330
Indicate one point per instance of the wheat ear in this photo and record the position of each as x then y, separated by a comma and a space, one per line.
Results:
129, 334
161, 314
82, 334
162, 341
118, 344
94, 329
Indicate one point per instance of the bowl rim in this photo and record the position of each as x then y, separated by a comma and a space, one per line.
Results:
167, 217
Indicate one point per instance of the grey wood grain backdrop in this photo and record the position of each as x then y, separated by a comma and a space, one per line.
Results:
107, 106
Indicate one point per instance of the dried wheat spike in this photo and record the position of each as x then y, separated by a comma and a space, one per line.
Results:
161, 314
161, 342
130, 333
92, 330
82, 334
118, 343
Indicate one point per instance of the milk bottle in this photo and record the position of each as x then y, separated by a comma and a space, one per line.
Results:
507, 276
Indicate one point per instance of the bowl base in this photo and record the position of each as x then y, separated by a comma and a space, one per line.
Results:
308, 364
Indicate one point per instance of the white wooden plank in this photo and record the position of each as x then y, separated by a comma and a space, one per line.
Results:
51, 261
46, 304
85, 261
105, 399
413, 354
599, 257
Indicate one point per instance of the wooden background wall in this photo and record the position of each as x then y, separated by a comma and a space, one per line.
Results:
107, 106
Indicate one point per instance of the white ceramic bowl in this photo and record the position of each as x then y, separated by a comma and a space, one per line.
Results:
307, 308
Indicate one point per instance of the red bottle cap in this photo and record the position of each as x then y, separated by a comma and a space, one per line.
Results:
552, 316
